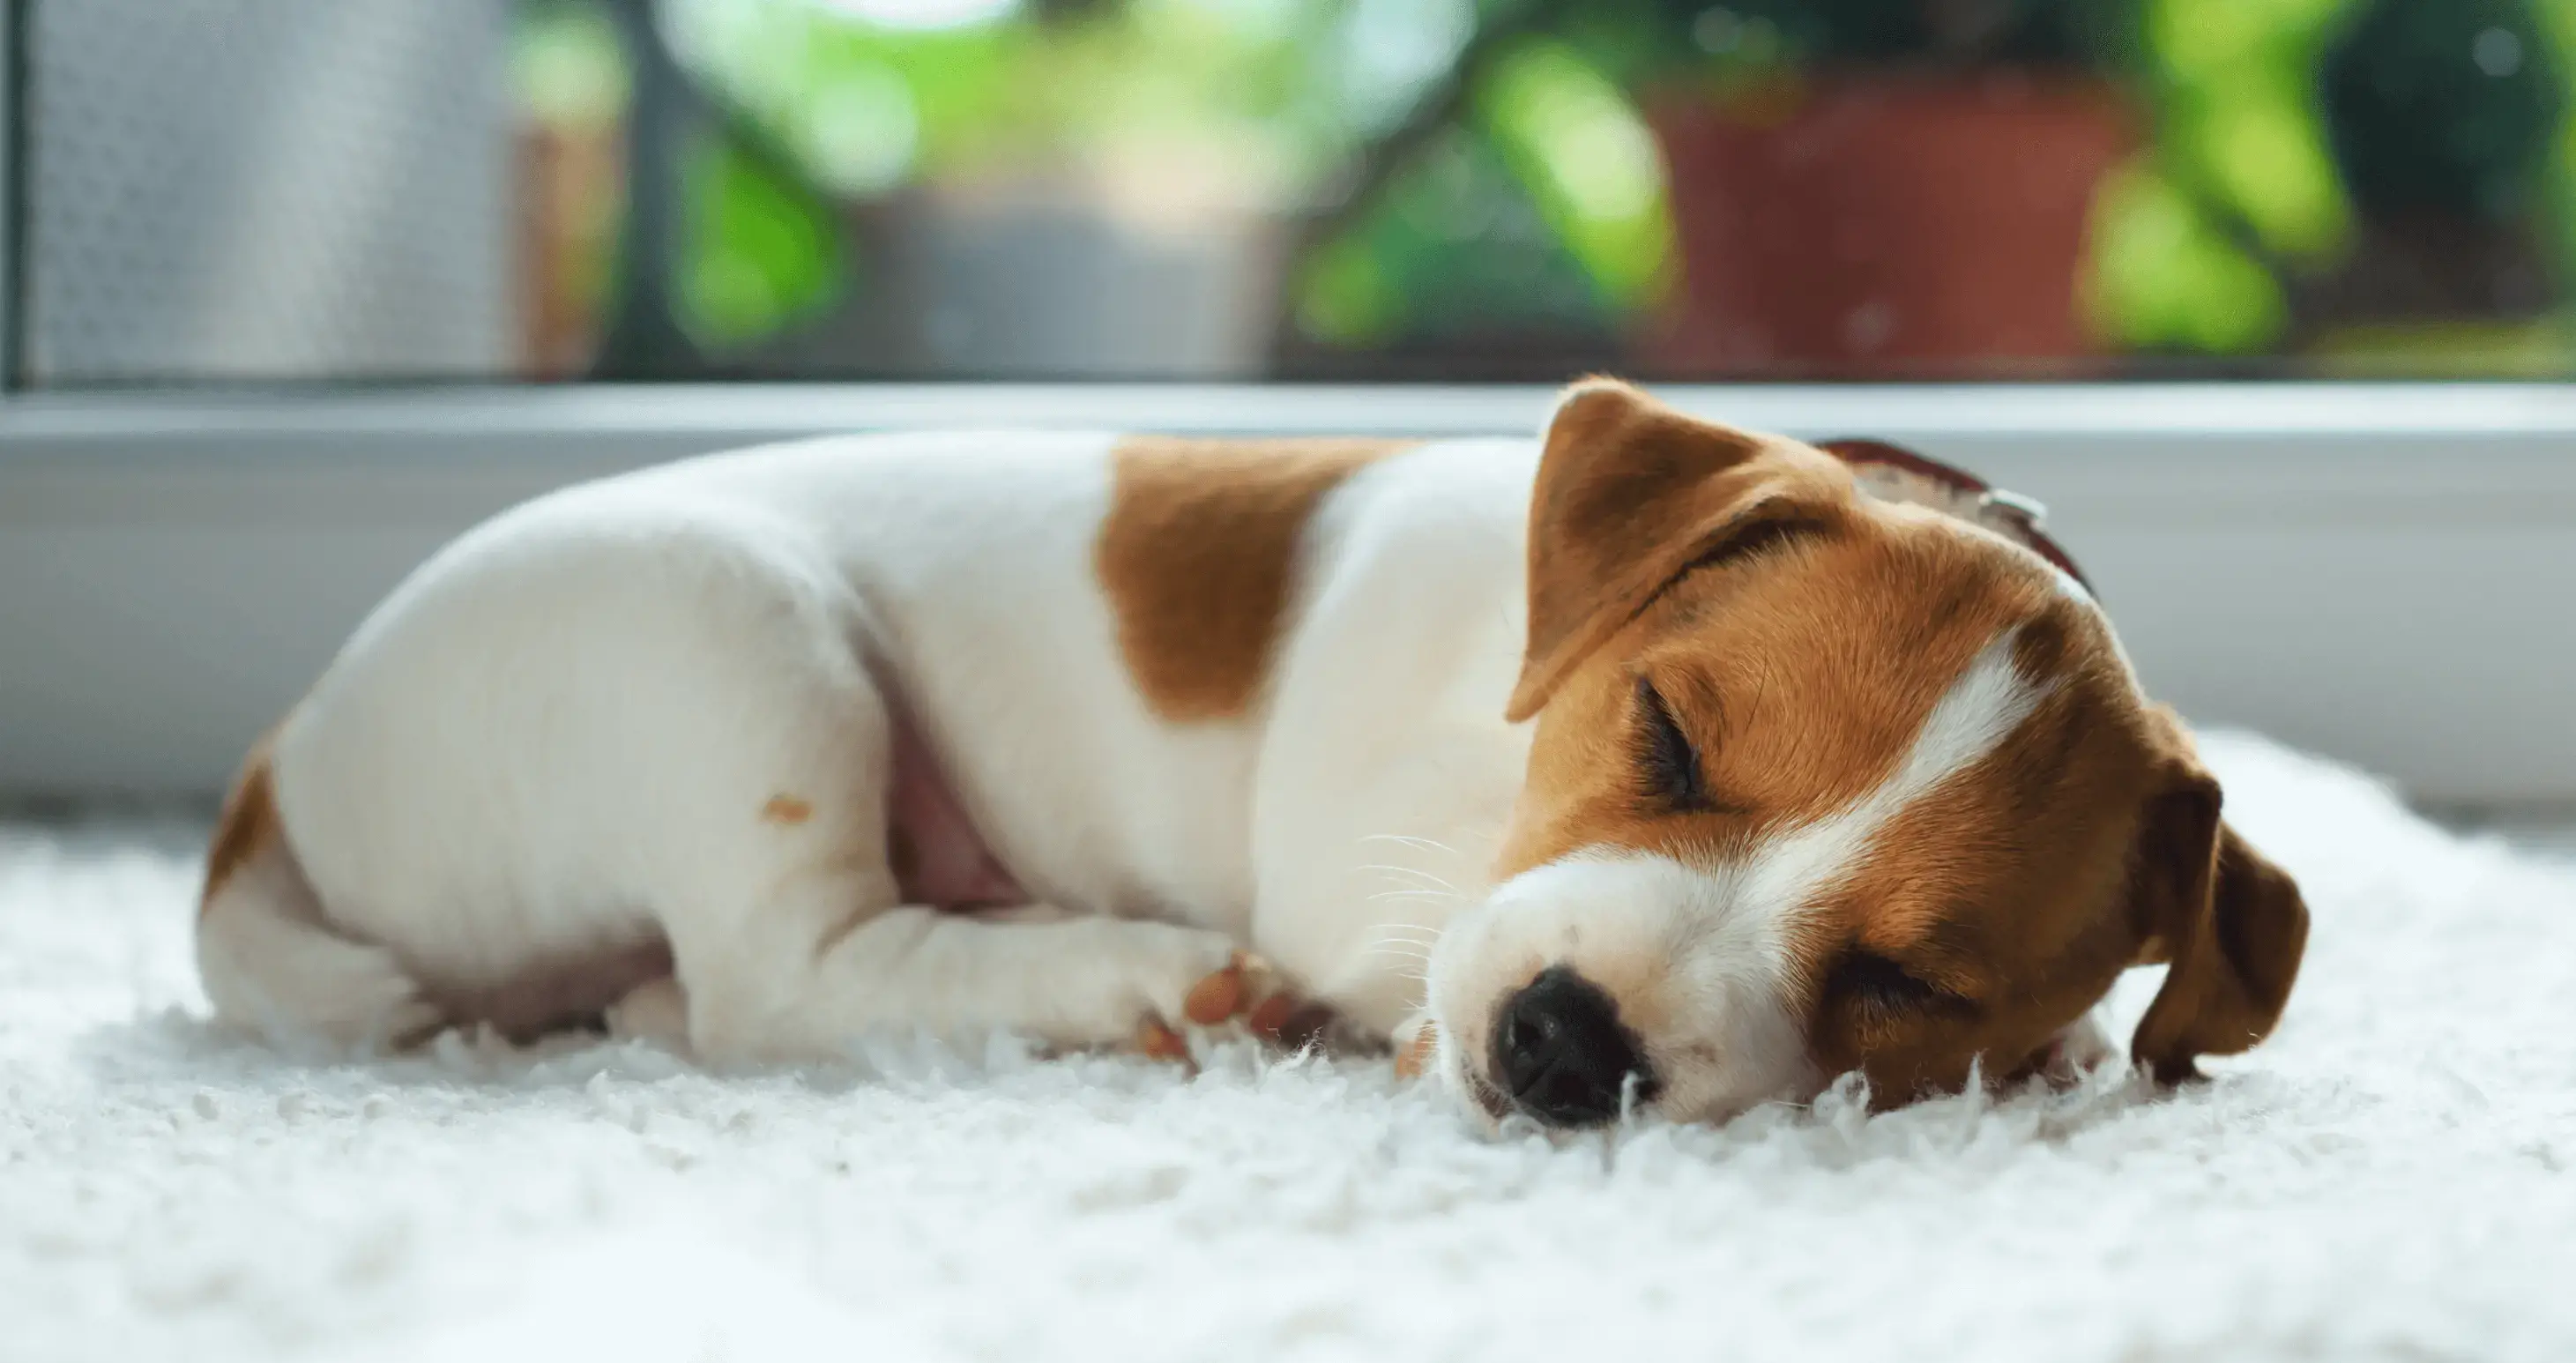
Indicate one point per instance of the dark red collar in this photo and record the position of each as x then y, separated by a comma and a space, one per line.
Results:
1900, 474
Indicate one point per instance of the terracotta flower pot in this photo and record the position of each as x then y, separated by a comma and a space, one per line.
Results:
1888, 225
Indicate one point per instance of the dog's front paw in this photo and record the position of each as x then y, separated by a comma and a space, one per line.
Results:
1242, 986
1179, 977
1229, 993
1245, 991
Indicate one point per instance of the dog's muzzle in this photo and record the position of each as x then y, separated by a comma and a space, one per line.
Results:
1562, 1055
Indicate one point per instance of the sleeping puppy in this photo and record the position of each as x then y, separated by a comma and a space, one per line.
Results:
1650, 765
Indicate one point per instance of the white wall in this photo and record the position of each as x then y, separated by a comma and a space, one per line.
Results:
2378, 573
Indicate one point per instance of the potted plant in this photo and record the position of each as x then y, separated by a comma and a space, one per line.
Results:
1880, 187
2442, 119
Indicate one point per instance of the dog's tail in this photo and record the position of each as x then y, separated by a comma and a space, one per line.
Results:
269, 957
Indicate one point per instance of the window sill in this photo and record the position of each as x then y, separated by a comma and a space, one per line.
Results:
2376, 572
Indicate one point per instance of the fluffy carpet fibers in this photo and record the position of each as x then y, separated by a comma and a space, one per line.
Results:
2394, 1176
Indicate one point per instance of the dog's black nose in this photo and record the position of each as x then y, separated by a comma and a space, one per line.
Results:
1561, 1053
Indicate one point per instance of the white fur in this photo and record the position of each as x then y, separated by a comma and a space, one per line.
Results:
1707, 952
555, 742
1709, 943
1988, 701
269, 958
2063, 580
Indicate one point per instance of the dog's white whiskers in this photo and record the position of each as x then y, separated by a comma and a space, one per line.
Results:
1413, 871
1418, 944
1407, 839
1401, 931
1430, 895
1404, 942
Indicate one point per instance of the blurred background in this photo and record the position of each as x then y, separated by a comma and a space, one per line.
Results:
341, 191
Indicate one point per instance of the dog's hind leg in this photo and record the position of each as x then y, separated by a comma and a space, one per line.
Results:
790, 932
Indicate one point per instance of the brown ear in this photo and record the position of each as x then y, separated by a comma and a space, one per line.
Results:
1629, 494
2230, 924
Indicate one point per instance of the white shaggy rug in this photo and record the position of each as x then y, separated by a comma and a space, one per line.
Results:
2394, 1176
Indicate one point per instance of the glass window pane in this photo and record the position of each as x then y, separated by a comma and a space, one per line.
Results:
1242, 189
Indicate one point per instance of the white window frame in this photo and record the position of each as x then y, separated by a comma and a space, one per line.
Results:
14, 18
2376, 572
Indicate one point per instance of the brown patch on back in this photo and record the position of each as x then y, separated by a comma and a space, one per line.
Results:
1198, 553
248, 823
787, 809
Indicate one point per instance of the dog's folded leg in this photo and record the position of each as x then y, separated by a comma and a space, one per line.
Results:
656, 1010
806, 978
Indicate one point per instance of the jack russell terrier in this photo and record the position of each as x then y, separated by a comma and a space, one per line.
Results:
1651, 765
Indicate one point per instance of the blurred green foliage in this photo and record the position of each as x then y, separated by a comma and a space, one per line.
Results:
2238, 176
1589, 162
1543, 205
761, 256
1544, 210
2443, 108
2278, 121
565, 66
2163, 276
1452, 251
1687, 38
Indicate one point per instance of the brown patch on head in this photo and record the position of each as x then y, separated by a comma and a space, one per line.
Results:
248, 823
1993, 913
1631, 496
787, 809
1987, 915
1198, 554
2232, 926
1794, 634
1727, 645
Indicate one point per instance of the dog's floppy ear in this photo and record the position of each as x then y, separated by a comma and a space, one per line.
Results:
2230, 925
1631, 493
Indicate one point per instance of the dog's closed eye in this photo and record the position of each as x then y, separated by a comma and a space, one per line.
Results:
1668, 763
1766, 527
1881, 989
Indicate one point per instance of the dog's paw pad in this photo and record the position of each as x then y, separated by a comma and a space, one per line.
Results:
1158, 1041
1414, 1057
1286, 1022
1222, 995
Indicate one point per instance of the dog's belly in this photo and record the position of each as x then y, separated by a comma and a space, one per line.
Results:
572, 990
937, 856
